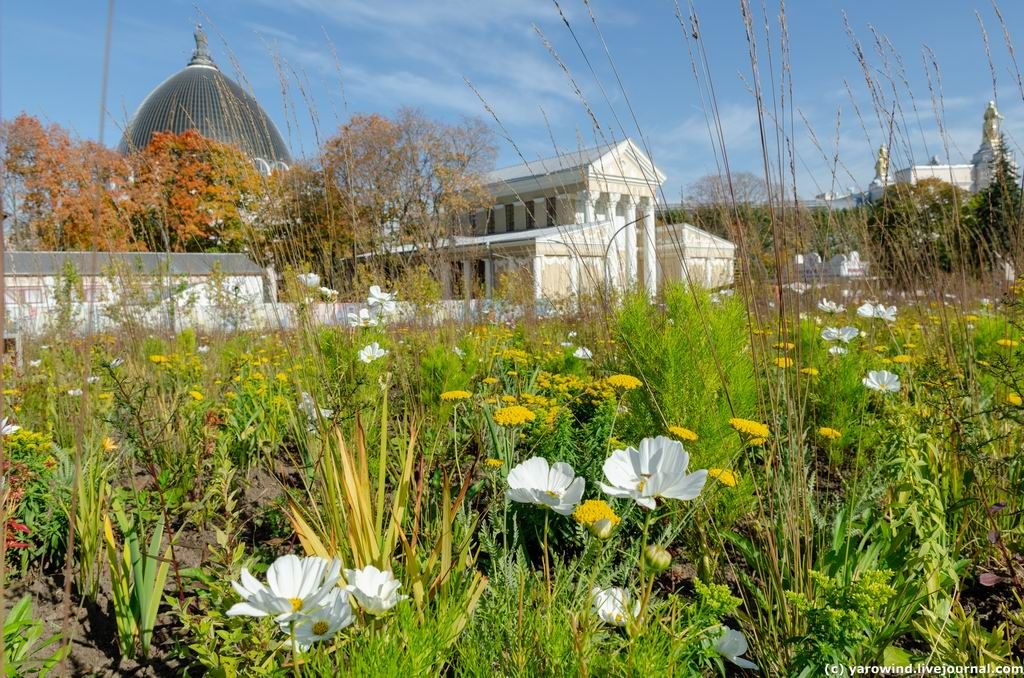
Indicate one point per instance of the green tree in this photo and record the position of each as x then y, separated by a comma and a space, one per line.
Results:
914, 228
996, 211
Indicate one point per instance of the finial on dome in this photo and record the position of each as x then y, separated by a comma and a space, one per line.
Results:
201, 55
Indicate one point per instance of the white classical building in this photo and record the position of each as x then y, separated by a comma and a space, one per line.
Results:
579, 221
971, 177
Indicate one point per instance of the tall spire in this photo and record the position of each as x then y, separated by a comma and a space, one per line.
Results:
201, 55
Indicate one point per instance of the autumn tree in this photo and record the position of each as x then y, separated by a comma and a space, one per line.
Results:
193, 194
407, 180
61, 193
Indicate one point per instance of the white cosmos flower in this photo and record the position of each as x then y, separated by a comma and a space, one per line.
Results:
329, 293
362, 319
92, 380
731, 644
75, 392
116, 362
869, 310
378, 297
843, 334
583, 353
371, 352
828, 306
35, 363
7, 429
614, 606
321, 623
535, 482
458, 351
799, 287
308, 279
882, 381
295, 586
375, 591
657, 469
203, 349
837, 350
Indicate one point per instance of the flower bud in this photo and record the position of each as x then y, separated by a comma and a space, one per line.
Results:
656, 559
602, 529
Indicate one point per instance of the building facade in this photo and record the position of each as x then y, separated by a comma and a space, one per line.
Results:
578, 222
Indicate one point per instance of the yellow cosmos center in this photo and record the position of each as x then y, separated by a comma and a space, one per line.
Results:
320, 628
552, 494
296, 604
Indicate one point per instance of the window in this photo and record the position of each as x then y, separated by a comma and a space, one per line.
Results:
510, 217
490, 220
531, 219
472, 222
551, 207
32, 296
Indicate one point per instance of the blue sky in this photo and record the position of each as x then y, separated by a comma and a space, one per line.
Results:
394, 53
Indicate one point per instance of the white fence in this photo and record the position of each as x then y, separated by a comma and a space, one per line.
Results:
86, 318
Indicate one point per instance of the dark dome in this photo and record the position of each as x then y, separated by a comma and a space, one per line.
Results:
202, 98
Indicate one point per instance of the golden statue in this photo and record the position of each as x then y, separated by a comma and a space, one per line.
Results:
990, 128
882, 164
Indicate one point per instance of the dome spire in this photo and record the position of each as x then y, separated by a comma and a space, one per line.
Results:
201, 55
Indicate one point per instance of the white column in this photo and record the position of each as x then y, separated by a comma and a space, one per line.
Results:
619, 239
540, 218
629, 210
538, 273
488, 278
586, 200
650, 249
516, 206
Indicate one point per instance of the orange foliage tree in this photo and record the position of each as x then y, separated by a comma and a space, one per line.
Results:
60, 193
193, 194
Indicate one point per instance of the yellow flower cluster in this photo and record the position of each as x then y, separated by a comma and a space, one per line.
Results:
515, 355
830, 433
1007, 343
682, 433
490, 381
513, 415
626, 382
902, 359
495, 463
783, 362
1014, 399
750, 428
810, 371
723, 475
594, 510
455, 395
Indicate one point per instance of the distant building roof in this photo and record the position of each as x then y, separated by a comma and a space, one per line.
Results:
150, 263
570, 160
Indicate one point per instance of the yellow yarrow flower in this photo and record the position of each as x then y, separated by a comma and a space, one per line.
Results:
594, 510
751, 428
626, 382
784, 346
158, 359
830, 433
196, 395
108, 444
490, 381
758, 442
1014, 399
902, 359
682, 433
1007, 343
783, 362
513, 415
495, 463
724, 476
456, 395
810, 371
